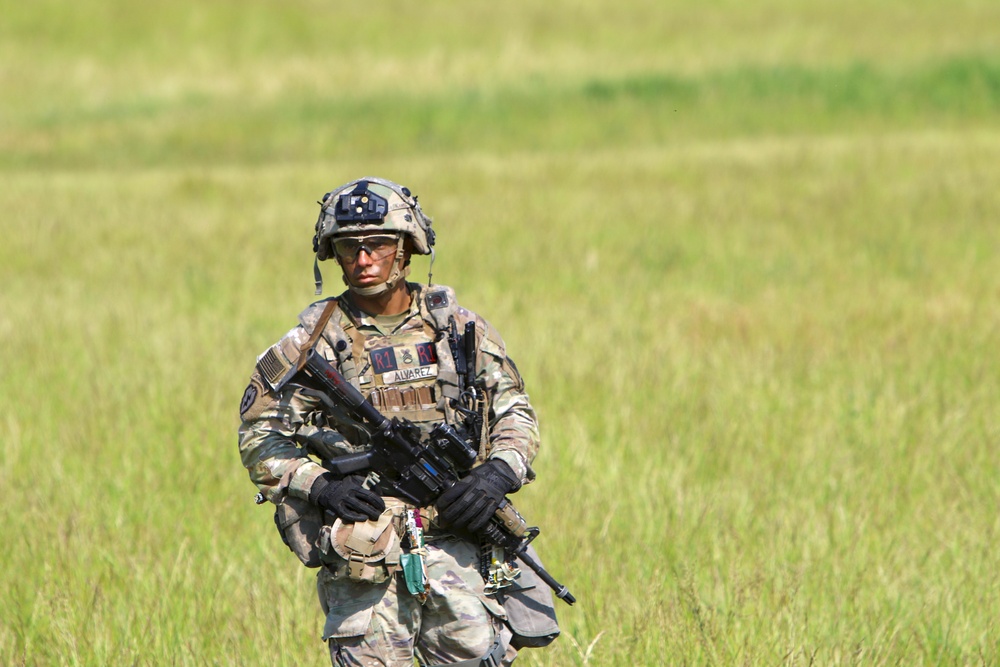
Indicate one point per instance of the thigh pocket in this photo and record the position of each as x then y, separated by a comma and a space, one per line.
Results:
349, 607
351, 620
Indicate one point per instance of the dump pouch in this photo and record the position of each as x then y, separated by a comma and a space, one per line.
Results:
531, 613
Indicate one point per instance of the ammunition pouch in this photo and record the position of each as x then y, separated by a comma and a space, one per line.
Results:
365, 551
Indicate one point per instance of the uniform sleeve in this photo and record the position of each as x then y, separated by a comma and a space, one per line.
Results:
267, 438
513, 427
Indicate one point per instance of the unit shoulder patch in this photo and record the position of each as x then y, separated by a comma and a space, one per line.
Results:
254, 400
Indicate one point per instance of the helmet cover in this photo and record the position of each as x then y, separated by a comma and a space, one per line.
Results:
371, 205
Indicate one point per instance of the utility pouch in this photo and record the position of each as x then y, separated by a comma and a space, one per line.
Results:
365, 551
299, 523
531, 612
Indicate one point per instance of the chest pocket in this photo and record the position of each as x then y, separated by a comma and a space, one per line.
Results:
400, 377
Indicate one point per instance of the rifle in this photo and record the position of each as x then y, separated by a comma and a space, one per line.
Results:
417, 471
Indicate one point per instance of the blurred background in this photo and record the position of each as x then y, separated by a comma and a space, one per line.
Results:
744, 254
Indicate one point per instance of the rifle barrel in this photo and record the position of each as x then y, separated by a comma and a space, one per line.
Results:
561, 591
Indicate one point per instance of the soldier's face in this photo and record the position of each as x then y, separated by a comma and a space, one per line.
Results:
367, 259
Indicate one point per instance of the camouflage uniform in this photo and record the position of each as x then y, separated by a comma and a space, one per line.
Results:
378, 622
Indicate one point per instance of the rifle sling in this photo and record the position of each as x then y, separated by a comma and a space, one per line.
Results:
317, 331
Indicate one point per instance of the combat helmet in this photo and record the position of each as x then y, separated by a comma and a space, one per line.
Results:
371, 204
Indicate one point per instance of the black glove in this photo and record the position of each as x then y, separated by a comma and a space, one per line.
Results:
346, 498
471, 501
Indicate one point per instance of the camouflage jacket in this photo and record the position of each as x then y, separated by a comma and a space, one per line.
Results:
282, 435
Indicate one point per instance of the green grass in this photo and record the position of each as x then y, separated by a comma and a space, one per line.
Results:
628, 111
745, 257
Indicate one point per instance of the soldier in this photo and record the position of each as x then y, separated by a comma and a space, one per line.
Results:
395, 581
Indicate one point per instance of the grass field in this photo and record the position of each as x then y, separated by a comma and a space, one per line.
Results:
745, 255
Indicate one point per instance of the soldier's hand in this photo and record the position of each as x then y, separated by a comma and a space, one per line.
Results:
473, 500
346, 498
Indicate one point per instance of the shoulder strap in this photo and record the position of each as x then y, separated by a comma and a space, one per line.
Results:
317, 331
438, 305
338, 338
